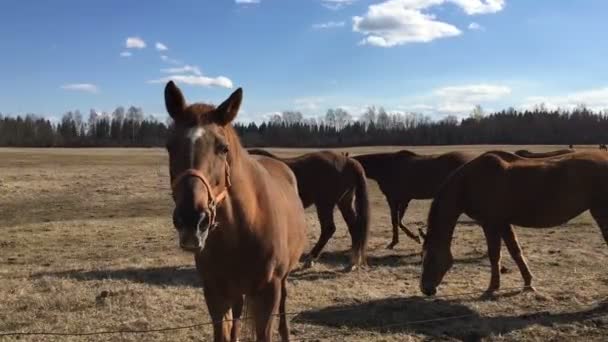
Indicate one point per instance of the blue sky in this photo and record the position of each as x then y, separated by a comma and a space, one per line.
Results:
438, 57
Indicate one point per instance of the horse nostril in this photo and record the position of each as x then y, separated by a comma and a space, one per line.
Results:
203, 222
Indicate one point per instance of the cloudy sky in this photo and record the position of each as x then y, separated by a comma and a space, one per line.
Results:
437, 57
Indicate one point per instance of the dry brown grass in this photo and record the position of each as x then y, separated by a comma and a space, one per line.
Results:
86, 244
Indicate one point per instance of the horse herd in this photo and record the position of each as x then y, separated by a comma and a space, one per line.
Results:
241, 213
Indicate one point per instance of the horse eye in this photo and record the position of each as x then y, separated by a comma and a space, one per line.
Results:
222, 148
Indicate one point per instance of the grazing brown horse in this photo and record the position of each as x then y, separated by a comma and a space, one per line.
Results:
240, 216
500, 189
550, 154
403, 176
325, 179
603, 147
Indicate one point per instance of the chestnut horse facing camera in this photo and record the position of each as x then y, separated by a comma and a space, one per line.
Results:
327, 179
239, 215
500, 189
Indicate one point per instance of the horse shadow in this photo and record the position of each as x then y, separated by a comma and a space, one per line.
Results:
438, 319
173, 276
342, 258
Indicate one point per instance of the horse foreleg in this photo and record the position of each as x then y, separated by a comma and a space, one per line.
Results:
237, 311
395, 223
600, 216
283, 323
266, 305
493, 241
356, 235
510, 239
221, 315
401, 208
328, 228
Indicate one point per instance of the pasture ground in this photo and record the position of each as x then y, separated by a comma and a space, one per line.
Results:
86, 244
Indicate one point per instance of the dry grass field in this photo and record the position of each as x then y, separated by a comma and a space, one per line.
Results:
87, 244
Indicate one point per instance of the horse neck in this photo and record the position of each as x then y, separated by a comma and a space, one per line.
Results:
242, 182
444, 213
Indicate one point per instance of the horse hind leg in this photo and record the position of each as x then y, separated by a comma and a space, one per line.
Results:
328, 228
394, 209
493, 241
401, 208
283, 323
510, 239
350, 217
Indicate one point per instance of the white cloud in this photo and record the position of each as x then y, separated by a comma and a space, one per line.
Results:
397, 22
126, 54
183, 69
308, 103
135, 43
160, 46
197, 80
336, 4
475, 27
595, 99
168, 60
245, 2
84, 87
327, 25
462, 99
472, 7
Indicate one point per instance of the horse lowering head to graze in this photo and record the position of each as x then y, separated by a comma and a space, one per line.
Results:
550, 154
500, 189
328, 179
404, 175
240, 216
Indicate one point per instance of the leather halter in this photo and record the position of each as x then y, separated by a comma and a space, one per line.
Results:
213, 201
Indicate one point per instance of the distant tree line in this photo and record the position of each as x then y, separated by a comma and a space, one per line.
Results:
130, 128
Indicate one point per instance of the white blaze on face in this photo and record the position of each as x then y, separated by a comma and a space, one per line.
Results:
193, 134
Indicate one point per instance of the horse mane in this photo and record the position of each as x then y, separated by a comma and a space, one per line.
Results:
261, 152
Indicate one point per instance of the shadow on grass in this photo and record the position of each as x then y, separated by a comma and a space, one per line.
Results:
342, 258
157, 276
438, 318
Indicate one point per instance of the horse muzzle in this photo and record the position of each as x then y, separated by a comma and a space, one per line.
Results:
192, 239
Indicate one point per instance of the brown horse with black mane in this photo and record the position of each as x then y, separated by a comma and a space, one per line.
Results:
325, 179
550, 154
500, 189
239, 215
404, 175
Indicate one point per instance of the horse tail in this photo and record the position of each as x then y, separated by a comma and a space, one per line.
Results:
362, 208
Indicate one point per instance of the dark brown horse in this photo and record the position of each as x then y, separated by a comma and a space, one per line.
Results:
550, 154
240, 216
327, 179
403, 176
603, 147
500, 189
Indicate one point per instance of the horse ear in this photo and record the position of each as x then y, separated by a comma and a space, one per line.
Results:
227, 111
174, 101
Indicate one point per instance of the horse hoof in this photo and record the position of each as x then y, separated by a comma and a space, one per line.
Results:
351, 268
309, 264
417, 239
391, 245
529, 288
488, 295
504, 270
